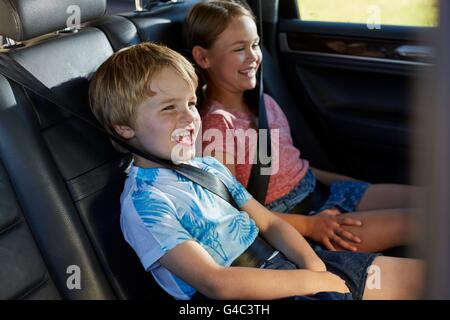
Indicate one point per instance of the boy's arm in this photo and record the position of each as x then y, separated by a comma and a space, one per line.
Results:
281, 234
283, 237
193, 264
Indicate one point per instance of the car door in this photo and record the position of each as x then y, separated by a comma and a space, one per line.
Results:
354, 79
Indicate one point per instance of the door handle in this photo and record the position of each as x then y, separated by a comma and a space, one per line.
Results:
415, 51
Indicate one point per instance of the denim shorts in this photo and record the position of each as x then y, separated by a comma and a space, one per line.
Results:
344, 195
350, 266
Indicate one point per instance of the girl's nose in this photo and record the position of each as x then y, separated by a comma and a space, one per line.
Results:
254, 54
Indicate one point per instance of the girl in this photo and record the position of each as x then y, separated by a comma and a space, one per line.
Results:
224, 43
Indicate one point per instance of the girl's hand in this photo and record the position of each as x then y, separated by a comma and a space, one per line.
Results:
325, 227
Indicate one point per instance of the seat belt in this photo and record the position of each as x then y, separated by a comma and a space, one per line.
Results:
259, 183
15, 72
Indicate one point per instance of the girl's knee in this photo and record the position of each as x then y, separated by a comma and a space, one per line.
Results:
395, 278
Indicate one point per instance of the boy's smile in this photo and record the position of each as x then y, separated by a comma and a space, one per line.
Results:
167, 122
184, 136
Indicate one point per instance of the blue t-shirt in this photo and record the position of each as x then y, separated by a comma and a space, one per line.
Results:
161, 209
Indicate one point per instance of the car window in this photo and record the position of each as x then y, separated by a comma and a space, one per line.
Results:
423, 13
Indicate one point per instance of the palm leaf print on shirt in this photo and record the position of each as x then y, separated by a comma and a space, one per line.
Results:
152, 210
243, 229
202, 193
203, 230
238, 193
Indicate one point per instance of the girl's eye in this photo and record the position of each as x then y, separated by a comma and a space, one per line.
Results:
239, 49
192, 105
256, 45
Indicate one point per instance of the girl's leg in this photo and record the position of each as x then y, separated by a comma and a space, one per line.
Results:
377, 196
395, 279
381, 229
385, 196
328, 177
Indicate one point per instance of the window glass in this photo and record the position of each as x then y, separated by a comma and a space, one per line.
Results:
374, 12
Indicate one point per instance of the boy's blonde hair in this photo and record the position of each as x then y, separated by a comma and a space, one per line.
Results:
122, 82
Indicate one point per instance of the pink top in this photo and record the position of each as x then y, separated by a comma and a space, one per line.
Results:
285, 157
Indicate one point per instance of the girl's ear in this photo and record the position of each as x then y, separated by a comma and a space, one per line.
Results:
124, 131
200, 56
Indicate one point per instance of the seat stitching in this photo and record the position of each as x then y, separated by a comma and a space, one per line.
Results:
44, 279
11, 225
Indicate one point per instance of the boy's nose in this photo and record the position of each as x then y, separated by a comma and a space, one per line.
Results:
187, 115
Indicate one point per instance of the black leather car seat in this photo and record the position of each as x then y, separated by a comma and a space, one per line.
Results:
60, 180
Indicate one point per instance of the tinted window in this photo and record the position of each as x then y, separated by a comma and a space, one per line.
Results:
388, 12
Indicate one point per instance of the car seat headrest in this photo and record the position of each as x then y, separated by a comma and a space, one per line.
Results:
26, 19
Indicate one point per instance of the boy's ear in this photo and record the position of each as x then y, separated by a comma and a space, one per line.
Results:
124, 131
200, 56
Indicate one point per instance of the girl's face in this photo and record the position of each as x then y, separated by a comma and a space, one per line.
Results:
232, 61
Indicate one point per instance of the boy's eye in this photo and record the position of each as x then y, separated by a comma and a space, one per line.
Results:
192, 104
256, 45
239, 49
168, 108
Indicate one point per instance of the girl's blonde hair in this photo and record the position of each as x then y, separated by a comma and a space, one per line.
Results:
207, 20
203, 25
122, 82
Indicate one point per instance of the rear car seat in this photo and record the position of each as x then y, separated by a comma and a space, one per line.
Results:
43, 234
60, 180
163, 24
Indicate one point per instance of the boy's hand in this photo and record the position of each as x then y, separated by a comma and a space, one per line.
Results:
325, 227
335, 283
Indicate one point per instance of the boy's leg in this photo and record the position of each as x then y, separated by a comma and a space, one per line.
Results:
381, 229
388, 196
395, 278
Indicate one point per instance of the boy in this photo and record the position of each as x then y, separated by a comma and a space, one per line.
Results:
185, 235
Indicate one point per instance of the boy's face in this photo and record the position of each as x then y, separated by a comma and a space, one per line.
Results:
167, 123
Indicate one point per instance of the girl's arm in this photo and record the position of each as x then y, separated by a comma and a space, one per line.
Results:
326, 228
192, 263
283, 237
